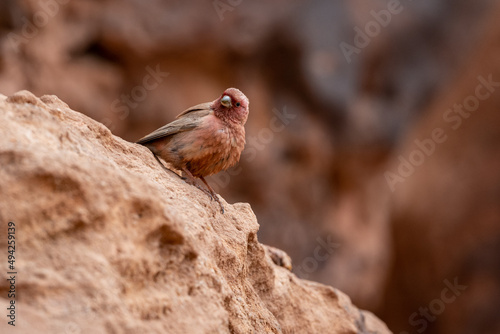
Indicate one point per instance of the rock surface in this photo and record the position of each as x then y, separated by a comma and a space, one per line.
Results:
107, 242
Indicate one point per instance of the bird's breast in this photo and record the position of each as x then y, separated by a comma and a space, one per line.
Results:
212, 147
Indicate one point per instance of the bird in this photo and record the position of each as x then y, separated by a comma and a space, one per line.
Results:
204, 139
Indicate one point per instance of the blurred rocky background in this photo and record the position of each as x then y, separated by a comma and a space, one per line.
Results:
373, 142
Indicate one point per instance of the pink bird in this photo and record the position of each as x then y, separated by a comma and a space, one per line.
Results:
204, 139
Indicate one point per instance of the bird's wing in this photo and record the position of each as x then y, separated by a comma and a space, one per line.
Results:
184, 122
201, 106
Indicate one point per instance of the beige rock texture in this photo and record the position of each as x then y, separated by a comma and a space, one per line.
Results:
108, 242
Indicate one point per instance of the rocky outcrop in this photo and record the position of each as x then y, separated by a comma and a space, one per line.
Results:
108, 242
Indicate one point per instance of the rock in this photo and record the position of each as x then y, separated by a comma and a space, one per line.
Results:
107, 242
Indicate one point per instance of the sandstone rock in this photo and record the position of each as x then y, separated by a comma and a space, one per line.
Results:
107, 242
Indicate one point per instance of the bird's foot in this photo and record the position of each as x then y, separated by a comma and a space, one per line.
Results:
214, 196
193, 183
210, 192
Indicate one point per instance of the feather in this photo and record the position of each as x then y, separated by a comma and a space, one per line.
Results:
186, 121
201, 106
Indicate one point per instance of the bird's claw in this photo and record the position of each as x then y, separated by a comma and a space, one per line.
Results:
210, 192
220, 203
214, 197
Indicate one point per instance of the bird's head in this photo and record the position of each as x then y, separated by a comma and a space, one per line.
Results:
232, 105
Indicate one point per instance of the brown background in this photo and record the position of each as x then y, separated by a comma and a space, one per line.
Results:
320, 177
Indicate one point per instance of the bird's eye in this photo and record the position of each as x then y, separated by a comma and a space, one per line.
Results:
226, 101
237, 104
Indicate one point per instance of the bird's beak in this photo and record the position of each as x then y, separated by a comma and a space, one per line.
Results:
226, 101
